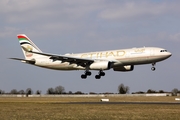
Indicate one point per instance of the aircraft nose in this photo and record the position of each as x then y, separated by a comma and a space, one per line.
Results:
169, 54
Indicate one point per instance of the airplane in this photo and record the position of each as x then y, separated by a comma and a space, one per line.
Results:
119, 60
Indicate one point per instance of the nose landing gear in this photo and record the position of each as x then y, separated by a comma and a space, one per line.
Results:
153, 68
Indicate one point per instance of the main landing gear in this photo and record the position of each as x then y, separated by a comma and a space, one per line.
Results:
101, 73
88, 73
153, 68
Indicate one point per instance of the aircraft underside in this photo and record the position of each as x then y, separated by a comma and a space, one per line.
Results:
87, 71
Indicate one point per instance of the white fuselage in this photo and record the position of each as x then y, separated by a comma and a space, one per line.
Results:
121, 57
121, 60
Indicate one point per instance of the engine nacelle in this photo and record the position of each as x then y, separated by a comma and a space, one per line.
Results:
124, 68
100, 65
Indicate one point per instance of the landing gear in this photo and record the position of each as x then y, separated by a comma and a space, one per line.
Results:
86, 73
97, 76
101, 73
153, 68
83, 76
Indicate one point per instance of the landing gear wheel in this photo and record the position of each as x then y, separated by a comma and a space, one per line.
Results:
102, 73
153, 68
88, 73
97, 76
83, 76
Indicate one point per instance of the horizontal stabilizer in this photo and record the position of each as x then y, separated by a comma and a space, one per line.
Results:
23, 60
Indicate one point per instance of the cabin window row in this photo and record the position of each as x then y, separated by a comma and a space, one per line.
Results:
163, 51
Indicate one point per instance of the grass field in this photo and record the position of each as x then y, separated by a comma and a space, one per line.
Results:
60, 108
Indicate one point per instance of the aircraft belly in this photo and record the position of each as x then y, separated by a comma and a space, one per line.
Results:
156, 58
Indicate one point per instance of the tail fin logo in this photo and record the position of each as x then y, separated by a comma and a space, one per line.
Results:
27, 45
29, 49
24, 41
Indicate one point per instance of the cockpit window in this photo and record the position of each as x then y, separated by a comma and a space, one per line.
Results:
163, 51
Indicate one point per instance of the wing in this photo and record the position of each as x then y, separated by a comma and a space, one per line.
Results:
64, 58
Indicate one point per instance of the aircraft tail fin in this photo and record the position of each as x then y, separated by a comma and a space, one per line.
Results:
27, 44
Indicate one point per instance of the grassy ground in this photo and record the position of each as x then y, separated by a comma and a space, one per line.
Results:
59, 108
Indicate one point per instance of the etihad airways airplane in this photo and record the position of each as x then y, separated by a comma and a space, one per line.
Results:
119, 60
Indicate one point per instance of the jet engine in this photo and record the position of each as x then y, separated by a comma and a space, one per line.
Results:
124, 68
100, 65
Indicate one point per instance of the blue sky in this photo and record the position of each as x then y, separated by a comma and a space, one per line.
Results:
68, 26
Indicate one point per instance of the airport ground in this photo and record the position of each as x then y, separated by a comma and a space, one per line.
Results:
90, 108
